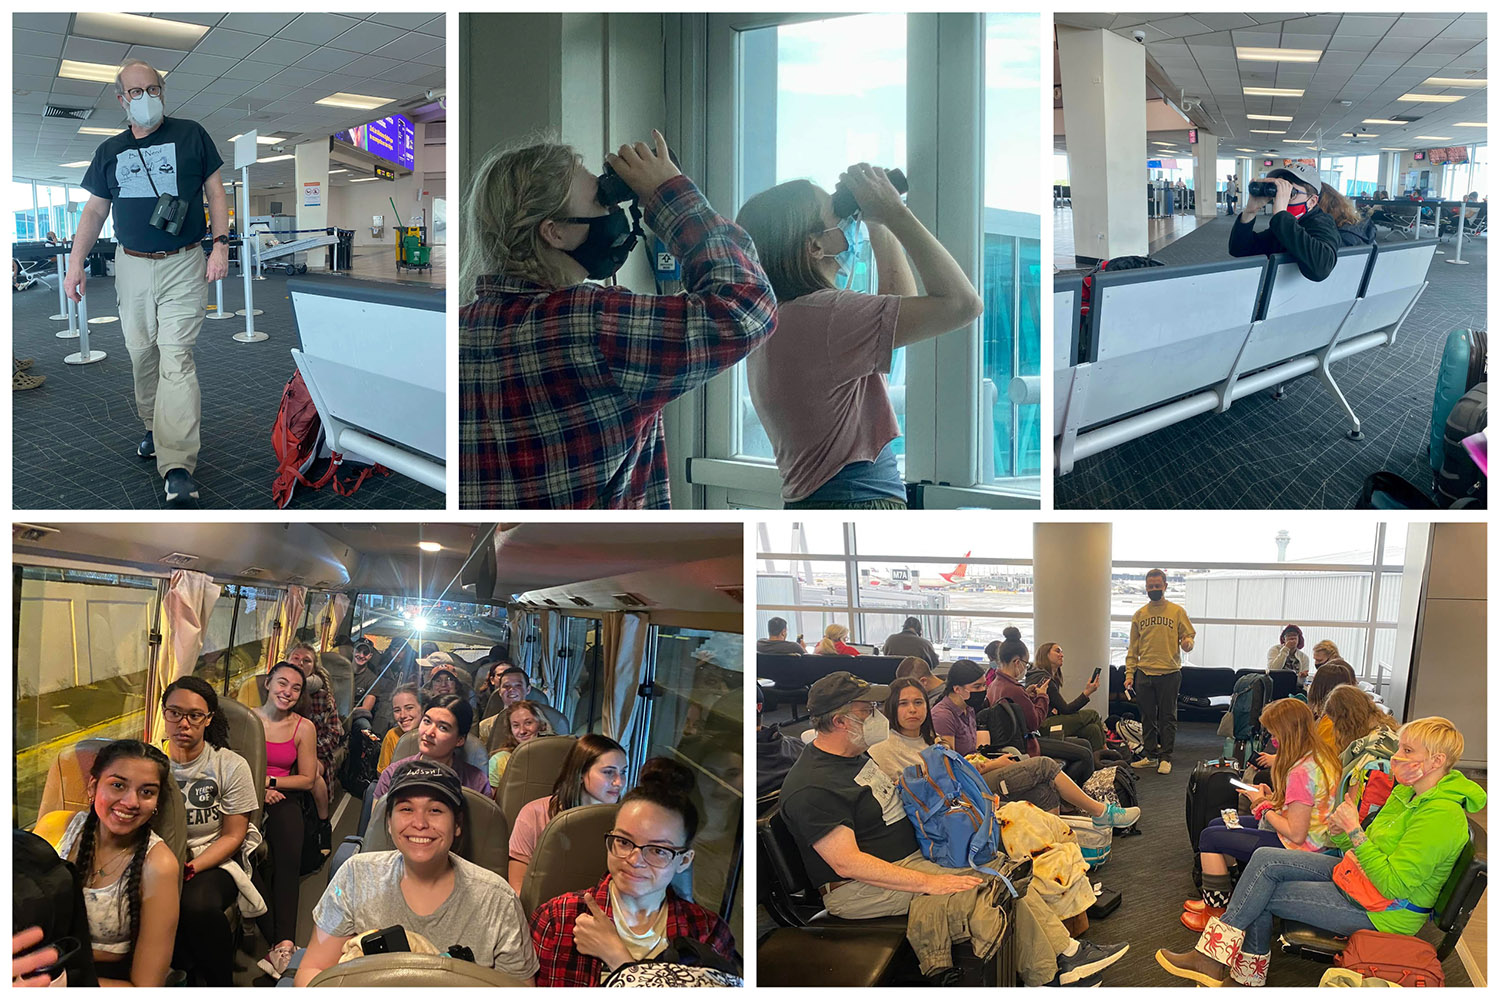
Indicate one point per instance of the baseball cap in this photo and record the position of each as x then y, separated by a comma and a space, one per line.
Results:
364, 646
1304, 173
840, 688
425, 775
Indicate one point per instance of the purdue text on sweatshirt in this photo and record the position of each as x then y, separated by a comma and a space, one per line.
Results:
1155, 631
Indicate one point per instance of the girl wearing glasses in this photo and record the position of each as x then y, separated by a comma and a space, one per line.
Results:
632, 915
220, 792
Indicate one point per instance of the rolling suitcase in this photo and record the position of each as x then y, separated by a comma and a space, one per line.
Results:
1463, 366
1208, 794
1455, 475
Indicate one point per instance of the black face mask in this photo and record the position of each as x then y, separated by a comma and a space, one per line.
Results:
607, 246
1156, 595
977, 701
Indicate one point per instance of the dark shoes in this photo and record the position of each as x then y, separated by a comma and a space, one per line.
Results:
147, 447
180, 485
1087, 960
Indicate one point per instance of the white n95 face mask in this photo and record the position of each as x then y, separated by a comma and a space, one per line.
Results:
875, 729
145, 110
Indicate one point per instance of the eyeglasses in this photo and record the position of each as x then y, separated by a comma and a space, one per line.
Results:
653, 854
134, 93
195, 717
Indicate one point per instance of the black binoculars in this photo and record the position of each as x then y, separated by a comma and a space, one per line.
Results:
1261, 189
612, 187
169, 214
844, 204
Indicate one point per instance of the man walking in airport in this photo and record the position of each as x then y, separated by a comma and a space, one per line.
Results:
154, 176
1297, 227
776, 640
1159, 633
910, 642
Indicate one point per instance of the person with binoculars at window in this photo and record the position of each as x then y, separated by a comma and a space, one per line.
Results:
819, 384
563, 381
1298, 226
154, 177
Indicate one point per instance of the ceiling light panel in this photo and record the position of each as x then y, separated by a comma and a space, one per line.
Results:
161, 32
1251, 53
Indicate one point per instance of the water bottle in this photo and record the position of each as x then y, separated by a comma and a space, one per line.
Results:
1228, 749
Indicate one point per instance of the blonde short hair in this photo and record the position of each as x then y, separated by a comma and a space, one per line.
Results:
1324, 646
1438, 735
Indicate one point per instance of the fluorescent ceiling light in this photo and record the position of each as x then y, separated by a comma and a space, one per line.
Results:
1432, 98
72, 69
359, 101
273, 159
1363, 135
96, 130
1252, 53
137, 30
1383, 121
1270, 118
359, 180
339, 170
1436, 138
1242, 149
1393, 149
429, 546
1269, 131
1471, 124
1272, 92
1455, 81
264, 140
1156, 142
80, 163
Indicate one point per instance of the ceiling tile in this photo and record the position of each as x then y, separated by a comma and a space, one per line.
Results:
259, 24
366, 37
56, 23
228, 42
283, 51
438, 27
410, 46
37, 43
93, 50
206, 65
408, 22
327, 59
254, 72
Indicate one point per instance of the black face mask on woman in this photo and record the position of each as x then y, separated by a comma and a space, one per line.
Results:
607, 246
977, 701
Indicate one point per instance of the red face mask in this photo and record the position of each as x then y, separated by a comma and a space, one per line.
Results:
1297, 211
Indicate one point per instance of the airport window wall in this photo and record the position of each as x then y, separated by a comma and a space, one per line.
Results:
1240, 588
39, 208
803, 96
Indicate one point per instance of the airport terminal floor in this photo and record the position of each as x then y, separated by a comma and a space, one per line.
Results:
1292, 452
75, 437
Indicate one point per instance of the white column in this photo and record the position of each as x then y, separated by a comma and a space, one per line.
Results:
311, 196
1104, 117
1071, 564
1205, 174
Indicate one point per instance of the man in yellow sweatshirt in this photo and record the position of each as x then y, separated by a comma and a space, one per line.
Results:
1153, 669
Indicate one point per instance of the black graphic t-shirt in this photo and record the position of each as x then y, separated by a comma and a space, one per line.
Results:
217, 784
177, 158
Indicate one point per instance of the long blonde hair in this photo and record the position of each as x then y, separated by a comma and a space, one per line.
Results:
1353, 714
1291, 722
832, 636
513, 191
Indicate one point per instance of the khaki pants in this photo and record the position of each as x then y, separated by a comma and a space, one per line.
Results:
935, 923
161, 312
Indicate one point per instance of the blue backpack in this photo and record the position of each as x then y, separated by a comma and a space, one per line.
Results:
953, 812
1251, 693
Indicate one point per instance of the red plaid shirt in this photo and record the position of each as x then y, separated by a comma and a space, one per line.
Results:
563, 965
561, 389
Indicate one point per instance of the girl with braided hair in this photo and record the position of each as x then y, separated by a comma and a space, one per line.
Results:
130, 876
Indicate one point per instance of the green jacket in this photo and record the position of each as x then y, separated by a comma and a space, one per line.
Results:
1411, 846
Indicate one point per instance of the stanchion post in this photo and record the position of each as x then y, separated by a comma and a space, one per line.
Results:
219, 312
71, 333
62, 300
84, 355
1458, 258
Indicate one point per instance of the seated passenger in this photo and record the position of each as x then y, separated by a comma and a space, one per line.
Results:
1323, 651
592, 773
1297, 226
373, 685
1330, 675
1010, 659
422, 885
1292, 813
322, 711
775, 753
130, 876
1287, 655
953, 716
910, 642
1405, 858
819, 383
1038, 780
514, 685
775, 640
524, 722
487, 671
446, 678
407, 712
220, 792
1362, 734
833, 644
1075, 717
632, 914
860, 849
444, 728
1355, 227
291, 770
921, 671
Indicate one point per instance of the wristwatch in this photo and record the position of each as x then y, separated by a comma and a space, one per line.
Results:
271, 781
222, 239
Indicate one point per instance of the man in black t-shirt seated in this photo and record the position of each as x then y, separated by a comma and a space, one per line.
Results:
154, 176
860, 849
776, 640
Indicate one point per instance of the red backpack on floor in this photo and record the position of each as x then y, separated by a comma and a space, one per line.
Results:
1397, 958
299, 442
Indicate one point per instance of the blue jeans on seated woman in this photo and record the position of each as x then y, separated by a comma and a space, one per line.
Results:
873, 485
1293, 885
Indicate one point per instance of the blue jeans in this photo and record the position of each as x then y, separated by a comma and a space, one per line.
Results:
1296, 885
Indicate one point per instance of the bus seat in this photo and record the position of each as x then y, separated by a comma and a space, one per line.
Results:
409, 970
1455, 904
569, 854
484, 838
531, 773
247, 737
555, 720
341, 672
474, 752
252, 692
67, 785
498, 734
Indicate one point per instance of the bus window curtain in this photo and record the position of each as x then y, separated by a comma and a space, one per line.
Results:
289, 622
334, 613
189, 601
545, 663
625, 659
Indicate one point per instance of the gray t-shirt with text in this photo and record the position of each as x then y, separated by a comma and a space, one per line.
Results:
217, 784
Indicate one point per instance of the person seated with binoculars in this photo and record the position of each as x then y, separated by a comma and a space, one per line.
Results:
154, 176
562, 382
1298, 226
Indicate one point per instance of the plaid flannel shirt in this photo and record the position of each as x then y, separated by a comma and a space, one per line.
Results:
563, 965
561, 389
324, 715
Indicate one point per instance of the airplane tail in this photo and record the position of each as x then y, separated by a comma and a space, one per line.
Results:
959, 571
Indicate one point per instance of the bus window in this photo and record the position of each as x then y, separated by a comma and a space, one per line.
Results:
82, 654
576, 670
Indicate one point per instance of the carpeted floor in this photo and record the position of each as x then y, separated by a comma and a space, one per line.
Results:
75, 437
1292, 453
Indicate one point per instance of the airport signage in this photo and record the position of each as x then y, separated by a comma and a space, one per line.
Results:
393, 139
385, 173
1420, 154
312, 194
1193, 136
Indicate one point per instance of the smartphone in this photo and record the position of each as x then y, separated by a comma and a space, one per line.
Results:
385, 941
1097, 672
1243, 785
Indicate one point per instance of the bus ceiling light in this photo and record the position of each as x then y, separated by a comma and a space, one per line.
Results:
32, 532
429, 546
419, 623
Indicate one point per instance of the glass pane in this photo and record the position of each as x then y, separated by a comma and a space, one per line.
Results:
943, 539
23, 208
698, 721
82, 654
821, 537
1010, 435
1255, 538
814, 97
311, 627
211, 662
251, 633
580, 651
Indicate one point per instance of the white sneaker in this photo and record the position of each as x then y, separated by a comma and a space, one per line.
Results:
1165, 767
276, 961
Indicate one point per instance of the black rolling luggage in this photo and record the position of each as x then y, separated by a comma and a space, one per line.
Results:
1208, 794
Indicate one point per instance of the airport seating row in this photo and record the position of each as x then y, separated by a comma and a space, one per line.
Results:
1162, 344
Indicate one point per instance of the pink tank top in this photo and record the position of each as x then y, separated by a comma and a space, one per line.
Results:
282, 757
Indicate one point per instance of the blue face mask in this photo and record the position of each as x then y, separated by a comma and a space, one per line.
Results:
856, 264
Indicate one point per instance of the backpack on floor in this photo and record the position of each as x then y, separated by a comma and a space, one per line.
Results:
1134, 736
1463, 366
1252, 693
953, 812
298, 440
1093, 841
47, 892
1397, 958
1456, 476
358, 771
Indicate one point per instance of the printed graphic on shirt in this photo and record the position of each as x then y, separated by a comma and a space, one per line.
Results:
202, 796
1166, 621
132, 165
884, 790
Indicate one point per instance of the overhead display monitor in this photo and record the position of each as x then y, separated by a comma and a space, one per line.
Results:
1448, 154
393, 139
1420, 154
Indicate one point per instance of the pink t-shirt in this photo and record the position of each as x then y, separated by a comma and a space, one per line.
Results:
818, 385
529, 823
1305, 786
